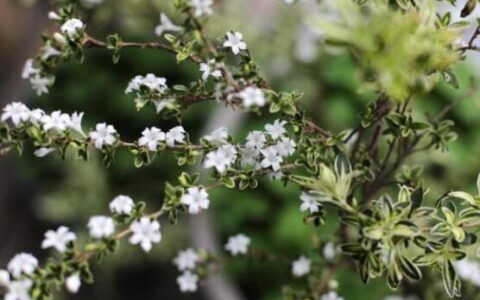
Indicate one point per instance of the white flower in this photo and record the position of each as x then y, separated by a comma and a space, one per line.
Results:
53, 16
73, 283
19, 290
249, 156
218, 160
145, 232
209, 69
23, 263
301, 266
329, 251
285, 147
176, 134
29, 70
252, 96
309, 202
187, 282
72, 28
277, 129
76, 122
49, 51
186, 260
58, 239
150, 81
56, 120
43, 151
4, 278
103, 135
256, 139
15, 111
166, 25
101, 227
221, 159
196, 199
36, 115
218, 137
235, 42
331, 296
202, 7
161, 104
271, 158
40, 84
134, 84
468, 270
151, 137
155, 83
122, 205
238, 244
229, 152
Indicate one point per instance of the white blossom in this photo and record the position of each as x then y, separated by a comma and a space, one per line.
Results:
210, 69
29, 70
145, 232
4, 278
221, 158
161, 104
235, 42
252, 96
49, 51
249, 156
202, 7
122, 205
100, 227
150, 81
187, 282
103, 135
73, 283
271, 158
76, 122
332, 295
218, 160
301, 266
238, 244
286, 146
151, 137
186, 260
175, 135
43, 151
277, 129
309, 202
23, 263
166, 25
36, 116
329, 251
218, 137
17, 112
53, 16
57, 121
196, 199
40, 84
58, 239
19, 290
256, 139
72, 28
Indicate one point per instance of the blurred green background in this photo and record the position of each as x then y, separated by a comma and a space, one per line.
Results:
39, 194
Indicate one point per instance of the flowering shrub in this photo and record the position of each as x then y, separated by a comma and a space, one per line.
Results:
402, 49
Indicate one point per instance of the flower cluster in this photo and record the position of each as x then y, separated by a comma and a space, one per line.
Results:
262, 150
